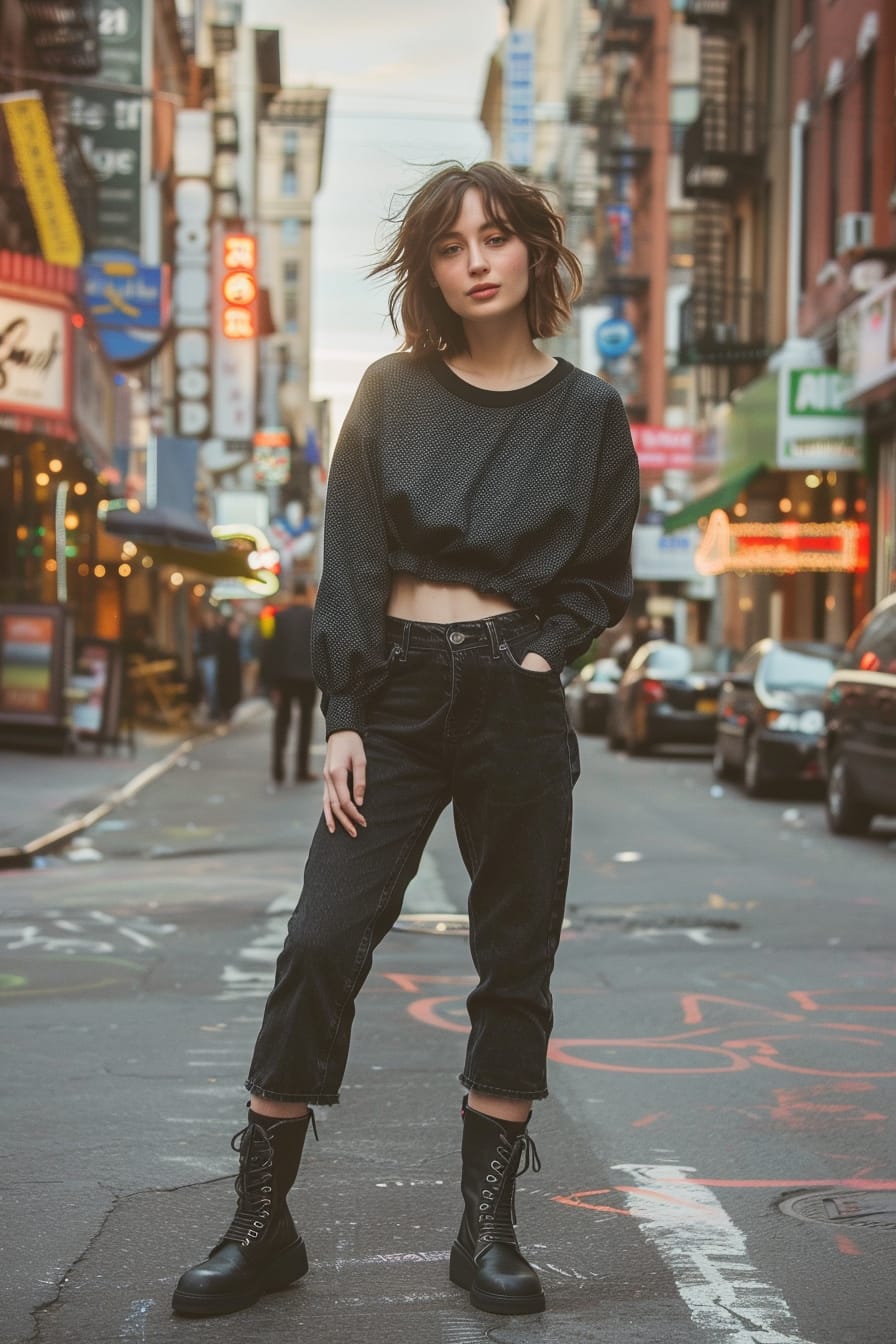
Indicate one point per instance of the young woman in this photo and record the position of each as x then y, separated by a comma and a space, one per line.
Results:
478, 528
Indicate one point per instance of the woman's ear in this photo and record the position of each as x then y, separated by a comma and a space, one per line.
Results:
433, 282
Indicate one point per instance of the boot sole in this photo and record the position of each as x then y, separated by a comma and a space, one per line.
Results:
290, 1264
462, 1272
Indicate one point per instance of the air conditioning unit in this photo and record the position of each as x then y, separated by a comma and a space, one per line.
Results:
853, 230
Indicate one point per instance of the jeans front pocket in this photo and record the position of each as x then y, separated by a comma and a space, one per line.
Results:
513, 651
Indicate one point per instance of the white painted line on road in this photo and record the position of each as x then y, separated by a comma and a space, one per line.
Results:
707, 1255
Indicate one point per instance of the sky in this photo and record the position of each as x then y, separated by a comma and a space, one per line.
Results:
407, 82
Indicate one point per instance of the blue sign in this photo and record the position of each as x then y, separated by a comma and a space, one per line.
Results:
120, 291
614, 338
519, 98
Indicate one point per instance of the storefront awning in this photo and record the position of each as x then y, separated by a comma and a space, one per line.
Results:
722, 496
173, 537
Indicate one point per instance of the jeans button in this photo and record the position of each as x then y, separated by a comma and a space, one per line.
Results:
456, 637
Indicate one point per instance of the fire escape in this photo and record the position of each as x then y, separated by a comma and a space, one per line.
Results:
723, 320
61, 39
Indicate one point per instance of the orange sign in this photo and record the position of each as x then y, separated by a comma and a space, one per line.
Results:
239, 287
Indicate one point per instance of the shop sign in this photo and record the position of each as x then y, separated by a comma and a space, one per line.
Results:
657, 555
866, 336
234, 334
93, 399
270, 456
815, 431
660, 448
615, 338
782, 548
45, 189
111, 123
619, 227
34, 359
120, 291
192, 297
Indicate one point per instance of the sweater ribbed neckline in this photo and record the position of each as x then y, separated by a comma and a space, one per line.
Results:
485, 396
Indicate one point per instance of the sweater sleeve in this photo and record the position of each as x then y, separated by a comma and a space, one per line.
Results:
348, 628
594, 590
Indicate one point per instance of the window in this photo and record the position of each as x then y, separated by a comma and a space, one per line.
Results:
867, 129
290, 274
834, 117
290, 310
804, 210
288, 176
873, 648
290, 232
795, 670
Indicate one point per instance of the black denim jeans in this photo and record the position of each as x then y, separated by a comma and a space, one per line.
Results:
456, 720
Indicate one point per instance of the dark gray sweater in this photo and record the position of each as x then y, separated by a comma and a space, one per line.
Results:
531, 495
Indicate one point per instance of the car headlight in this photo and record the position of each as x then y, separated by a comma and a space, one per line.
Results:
808, 721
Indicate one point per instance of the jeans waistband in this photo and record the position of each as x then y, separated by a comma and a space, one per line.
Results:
460, 634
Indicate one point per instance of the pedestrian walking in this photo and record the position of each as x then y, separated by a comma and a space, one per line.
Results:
230, 668
289, 673
479, 516
206, 649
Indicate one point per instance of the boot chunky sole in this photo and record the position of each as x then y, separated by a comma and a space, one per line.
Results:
289, 1265
462, 1272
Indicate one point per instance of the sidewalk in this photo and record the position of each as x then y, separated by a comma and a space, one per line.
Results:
45, 798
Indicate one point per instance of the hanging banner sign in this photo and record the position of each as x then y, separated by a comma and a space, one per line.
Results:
121, 292
234, 334
35, 357
519, 98
46, 192
111, 123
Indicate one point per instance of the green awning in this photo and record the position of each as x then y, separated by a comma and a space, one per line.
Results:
723, 496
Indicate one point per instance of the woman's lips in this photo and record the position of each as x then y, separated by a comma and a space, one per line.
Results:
483, 292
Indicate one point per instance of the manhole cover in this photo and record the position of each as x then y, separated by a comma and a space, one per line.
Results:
846, 1208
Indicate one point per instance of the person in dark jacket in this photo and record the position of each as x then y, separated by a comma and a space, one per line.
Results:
230, 671
288, 673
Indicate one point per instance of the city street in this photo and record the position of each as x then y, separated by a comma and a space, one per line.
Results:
724, 1044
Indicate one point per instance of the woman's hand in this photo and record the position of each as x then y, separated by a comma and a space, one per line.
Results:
345, 756
533, 662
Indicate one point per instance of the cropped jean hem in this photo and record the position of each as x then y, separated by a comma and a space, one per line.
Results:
306, 1098
488, 1090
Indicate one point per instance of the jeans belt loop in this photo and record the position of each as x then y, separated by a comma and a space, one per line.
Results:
493, 638
405, 641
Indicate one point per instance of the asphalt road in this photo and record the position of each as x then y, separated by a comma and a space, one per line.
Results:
725, 1040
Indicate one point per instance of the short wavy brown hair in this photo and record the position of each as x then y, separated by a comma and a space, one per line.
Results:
418, 311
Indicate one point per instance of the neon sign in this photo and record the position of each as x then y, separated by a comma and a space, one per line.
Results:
782, 548
239, 287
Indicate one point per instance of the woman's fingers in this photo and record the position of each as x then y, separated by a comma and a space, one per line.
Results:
339, 804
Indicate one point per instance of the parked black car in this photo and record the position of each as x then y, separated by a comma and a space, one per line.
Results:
770, 716
859, 751
588, 696
668, 694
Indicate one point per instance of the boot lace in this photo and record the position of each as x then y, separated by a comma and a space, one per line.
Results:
253, 1184
497, 1209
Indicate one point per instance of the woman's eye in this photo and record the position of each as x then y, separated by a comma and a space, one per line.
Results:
497, 239
448, 250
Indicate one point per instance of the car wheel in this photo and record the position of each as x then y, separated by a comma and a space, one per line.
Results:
754, 779
720, 767
846, 814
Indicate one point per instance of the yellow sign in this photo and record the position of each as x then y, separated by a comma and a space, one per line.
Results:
48, 198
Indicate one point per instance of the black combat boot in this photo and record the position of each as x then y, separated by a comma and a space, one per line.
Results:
486, 1258
261, 1250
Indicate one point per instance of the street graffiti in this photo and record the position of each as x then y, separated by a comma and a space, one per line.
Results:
87, 939
720, 1035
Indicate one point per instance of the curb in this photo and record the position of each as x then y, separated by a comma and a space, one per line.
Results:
21, 856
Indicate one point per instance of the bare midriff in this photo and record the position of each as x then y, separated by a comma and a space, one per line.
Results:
413, 599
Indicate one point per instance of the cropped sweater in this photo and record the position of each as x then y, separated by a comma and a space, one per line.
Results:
530, 495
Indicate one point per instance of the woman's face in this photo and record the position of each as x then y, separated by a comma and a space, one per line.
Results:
481, 268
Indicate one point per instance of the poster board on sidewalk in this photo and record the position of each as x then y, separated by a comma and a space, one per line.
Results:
99, 673
35, 660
